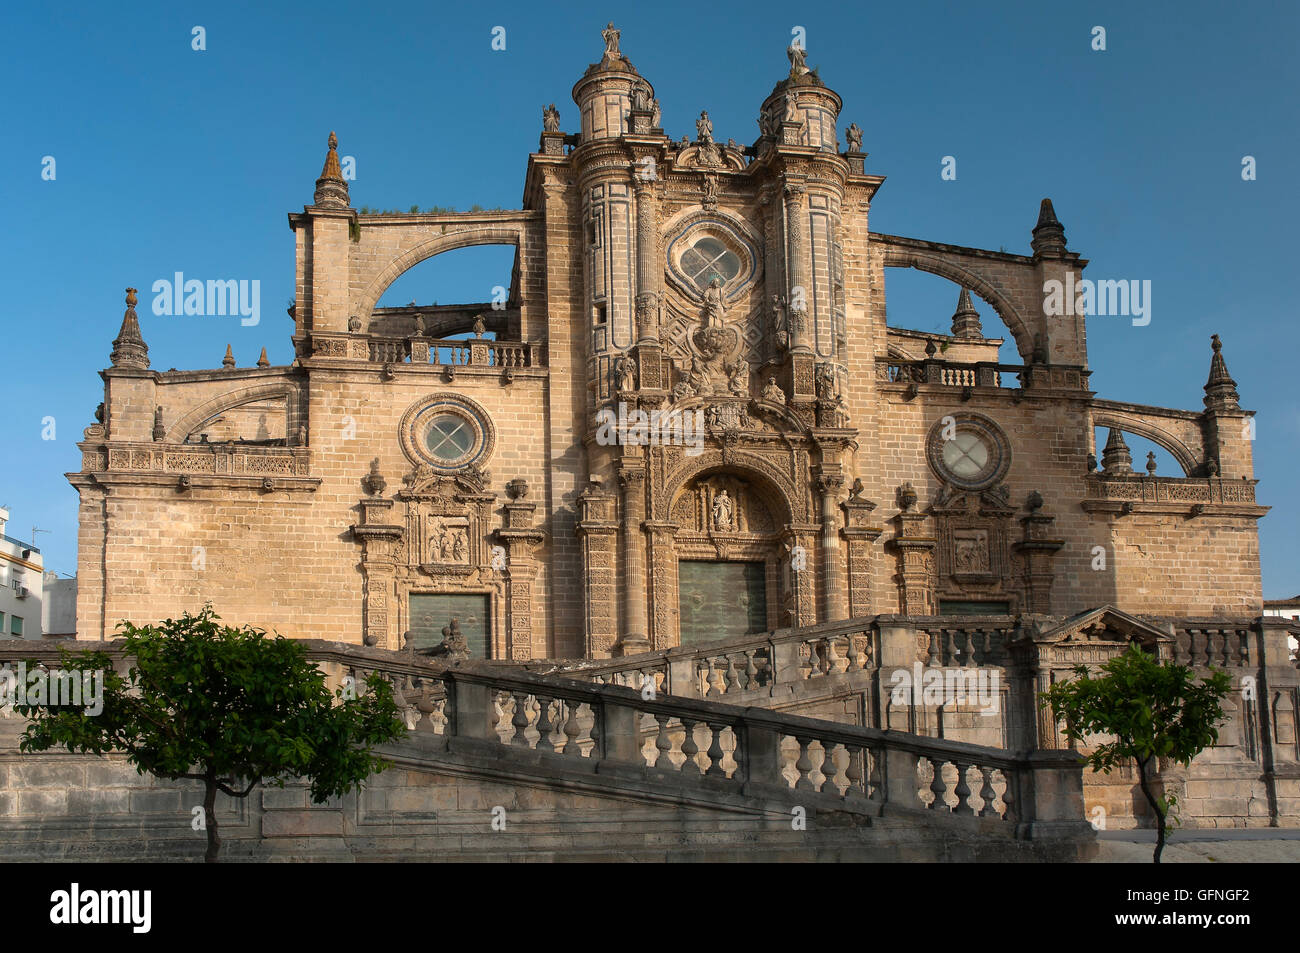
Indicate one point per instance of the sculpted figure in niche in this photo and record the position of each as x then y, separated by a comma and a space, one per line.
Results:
715, 305
551, 119
723, 511
654, 113
826, 382
772, 393
458, 549
627, 373
640, 99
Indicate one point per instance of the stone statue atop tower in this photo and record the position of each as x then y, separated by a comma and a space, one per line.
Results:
611, 36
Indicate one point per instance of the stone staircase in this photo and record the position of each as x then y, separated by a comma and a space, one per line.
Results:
506, 764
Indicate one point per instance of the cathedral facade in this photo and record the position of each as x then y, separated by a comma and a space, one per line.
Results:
688, 419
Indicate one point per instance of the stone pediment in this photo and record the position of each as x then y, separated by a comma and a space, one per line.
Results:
424, 482
1106, 625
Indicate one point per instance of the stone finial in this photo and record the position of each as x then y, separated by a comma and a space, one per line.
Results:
354, 324
931, 349
159, 431
1151, 462
517, 489
966, 320
1049, 233
331, 188
480, 326
906, 496
419, 325
374, 482
1034, 502
229, 360
1115, 458
129, 349
1220, 389
262, 360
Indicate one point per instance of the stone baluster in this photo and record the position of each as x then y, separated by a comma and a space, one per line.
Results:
935, 649
544, 724
1009, 802
828, 768
853, 771
954, 658
689, 748
663, 744
803, 764
751, 671
987, 794
714, 680
520, 719
937, 787
830, 661
814, 663
715, 752
733, 679
970, 649
875, 783
962, 790
572, 729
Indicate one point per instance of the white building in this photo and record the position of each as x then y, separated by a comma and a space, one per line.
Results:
1285, 609
22, 586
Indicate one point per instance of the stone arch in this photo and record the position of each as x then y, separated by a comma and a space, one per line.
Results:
785, 501
1188, 458
190, 420
985, 289
456, 236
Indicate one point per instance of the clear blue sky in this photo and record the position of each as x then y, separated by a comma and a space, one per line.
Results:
168, 159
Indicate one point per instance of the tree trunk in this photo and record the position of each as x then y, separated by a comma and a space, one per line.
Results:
210, 819
1155, 806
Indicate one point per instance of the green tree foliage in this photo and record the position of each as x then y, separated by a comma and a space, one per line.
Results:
1152, 712
227, 706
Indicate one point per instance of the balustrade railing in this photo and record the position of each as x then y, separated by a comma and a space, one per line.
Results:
946, 373
441, 352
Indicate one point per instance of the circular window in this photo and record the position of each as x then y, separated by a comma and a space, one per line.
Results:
968, 451
447, 432
449, 438
707, 259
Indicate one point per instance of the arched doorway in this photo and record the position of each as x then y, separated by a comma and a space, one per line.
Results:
722, 563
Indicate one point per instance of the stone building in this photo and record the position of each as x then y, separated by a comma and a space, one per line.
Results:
686, 450
808, 462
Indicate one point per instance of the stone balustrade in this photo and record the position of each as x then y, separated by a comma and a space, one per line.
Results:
945, 373
751, 751
1152, 489
474, 352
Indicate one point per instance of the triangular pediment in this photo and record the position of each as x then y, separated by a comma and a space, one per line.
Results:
1103, 624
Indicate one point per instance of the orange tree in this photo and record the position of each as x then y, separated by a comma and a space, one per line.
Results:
230, 707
